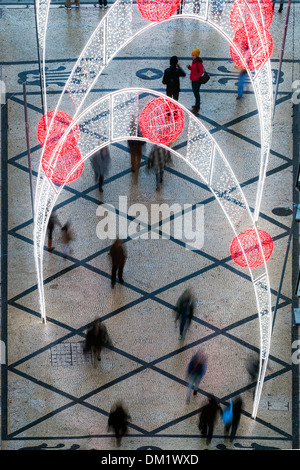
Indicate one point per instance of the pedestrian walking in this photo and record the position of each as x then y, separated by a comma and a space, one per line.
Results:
197, 70
208, 418
67, 239
96, 338
68, 4
117, 421
101, 163
242, 79
53, 221
233, 418
159, 159
171, 78
136, 148
184, 311
195, 372
118, 256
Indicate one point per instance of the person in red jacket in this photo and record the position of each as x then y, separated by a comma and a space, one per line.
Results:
197, 70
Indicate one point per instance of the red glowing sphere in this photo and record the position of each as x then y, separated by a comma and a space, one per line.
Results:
62, 164
157, 10
261, 9
60, 124
249, 241
161, 121
255, 48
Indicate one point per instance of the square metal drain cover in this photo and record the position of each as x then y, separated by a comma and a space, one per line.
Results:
69, 354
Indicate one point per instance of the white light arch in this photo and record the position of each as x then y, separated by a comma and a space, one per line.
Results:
111, 117
122, 23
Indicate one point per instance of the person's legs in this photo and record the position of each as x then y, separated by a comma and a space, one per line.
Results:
209, 433
133, 159
157, 176
233, 432
196, 91
190, 386
101, 180
120, 274
68, 3
242, 79
113, 275
138, 157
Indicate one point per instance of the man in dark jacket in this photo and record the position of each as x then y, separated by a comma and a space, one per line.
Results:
118, 256
171, 78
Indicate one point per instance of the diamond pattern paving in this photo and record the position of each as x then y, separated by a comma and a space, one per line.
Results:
65, 400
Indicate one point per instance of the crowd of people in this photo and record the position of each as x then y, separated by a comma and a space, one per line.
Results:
230, 413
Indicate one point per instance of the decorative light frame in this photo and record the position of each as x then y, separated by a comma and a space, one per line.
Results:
101, 48
119, 27
203, 155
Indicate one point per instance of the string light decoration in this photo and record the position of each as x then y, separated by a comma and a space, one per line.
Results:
157, 10
161, 121
62, 164
57, 129
261, 9
250, 243
255, 47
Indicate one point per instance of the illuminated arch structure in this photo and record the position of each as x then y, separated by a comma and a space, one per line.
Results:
119, 27
123, 22
115, 117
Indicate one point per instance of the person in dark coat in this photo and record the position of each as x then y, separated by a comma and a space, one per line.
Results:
171, 78
159, 159
195, 372
118, 256
135, 147
117, 420
208, 418
184, 311
96, 338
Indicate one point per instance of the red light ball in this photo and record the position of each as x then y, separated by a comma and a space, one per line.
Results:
261, 9
157, 10
60, 124
249, 241
256, 49
161, 121
62, 164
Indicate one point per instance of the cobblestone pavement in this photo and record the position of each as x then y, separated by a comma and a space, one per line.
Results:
52, 395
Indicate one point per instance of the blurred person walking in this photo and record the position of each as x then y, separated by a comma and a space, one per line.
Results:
195, 372
208, 418
117, 420
53, 221
171, 78
159, 159
101, 163
184, 311
242, 78
135, 147
235, 418
118, 256
96, 338
67, 239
